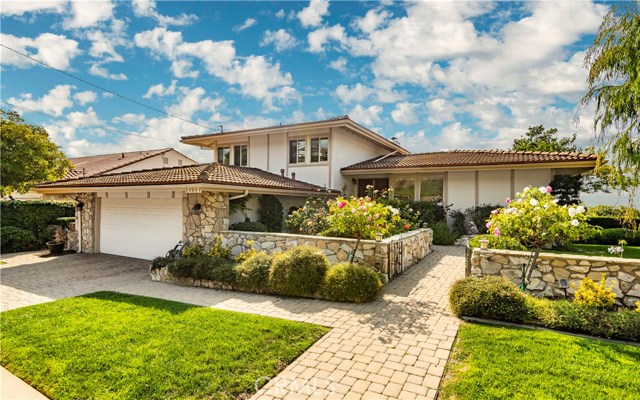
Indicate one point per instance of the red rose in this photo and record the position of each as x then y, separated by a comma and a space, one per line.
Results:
406, 226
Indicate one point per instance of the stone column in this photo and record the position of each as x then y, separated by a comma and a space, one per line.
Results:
85, 221
200, 228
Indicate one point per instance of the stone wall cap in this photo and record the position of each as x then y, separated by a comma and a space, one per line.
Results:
543, 255
348, 240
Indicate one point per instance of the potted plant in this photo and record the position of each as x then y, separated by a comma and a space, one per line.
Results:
56, 246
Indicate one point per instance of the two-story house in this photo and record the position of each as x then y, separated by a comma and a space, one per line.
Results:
144, 213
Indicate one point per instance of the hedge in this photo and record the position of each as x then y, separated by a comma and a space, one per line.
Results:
298, 271
35, 216
16, 239
612, 236
608, 222
351, 282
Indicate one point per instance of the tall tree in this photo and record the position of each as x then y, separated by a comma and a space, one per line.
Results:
539, 139
613, 61
28, 156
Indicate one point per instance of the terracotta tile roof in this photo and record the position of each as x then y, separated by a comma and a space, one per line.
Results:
339, 118
201, 173
96, 165
461, 158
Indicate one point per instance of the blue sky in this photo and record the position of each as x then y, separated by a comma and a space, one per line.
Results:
437, 75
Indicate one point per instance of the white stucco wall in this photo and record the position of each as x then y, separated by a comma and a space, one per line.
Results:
461, 187
156, 162
495, 186
258, 156
531, 177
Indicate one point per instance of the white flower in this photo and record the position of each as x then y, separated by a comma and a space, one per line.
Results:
575, 222
580, 209
572, 212
533, 202
525, 190
543, 189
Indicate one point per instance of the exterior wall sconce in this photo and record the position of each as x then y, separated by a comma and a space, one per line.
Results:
378, 236
196, 209
484, 244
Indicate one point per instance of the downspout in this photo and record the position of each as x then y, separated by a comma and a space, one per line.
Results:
80, 233
245, 194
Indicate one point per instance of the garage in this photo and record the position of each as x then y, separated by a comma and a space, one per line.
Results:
139, 228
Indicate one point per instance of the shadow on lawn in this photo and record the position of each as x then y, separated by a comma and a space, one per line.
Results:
174, 307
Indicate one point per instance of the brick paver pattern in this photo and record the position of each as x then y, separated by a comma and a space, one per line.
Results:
395, 347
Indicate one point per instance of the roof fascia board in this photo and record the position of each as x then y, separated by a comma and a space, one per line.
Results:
391, 170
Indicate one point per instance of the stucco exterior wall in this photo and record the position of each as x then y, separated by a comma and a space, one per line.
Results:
156, 162
461, 189
531, 177
494, 186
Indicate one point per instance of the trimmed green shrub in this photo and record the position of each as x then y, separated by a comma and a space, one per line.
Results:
248, 226
270, 213
608, 222
596, 295
182, 267
488, 297
350, 282
311, 219
442, 234
612, 236
419, 213
217, 269
298, 271
219, 250
65, 221
16, 239
193, 251
35, 216
253, 273
457, 223
160, 262
480, 214
497, 242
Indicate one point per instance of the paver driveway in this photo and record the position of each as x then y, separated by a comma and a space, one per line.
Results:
394, 347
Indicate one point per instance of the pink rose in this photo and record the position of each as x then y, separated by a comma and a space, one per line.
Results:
508, 200
495, 212
489, 224
496, 232
549, 189
377, 215
363, 208
342, 204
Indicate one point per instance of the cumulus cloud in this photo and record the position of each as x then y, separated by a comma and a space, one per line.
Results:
280, 39
85, 97
366, 116
248, 23
55, 101
19, 8
280, 14
312, 15
372, 20
85, 14
405, 113
147, 8
160, 90
339, 64
98, 70
55, 50
130, 119
354, 94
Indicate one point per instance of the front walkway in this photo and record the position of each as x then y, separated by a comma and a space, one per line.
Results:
394, 347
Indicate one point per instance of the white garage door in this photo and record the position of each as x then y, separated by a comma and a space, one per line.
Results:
140, 228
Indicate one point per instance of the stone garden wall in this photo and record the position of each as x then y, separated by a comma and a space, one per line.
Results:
202, 226
624, 274
383, 256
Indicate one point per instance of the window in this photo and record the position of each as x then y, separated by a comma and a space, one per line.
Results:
224, 155
404, 189
379, 184
240, 155
297, 151
179, 162
431, 188
165, 160
319, 150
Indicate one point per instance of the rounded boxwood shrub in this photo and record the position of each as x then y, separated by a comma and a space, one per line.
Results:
217, 269
442, 234
488, 297
182, 267
248, 226
350, 282
253, 273
160, 262
298, 271
16, 239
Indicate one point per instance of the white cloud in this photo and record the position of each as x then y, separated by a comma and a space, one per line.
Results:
405, 113
339, 64
54, 102
85, 97
55, 50
355, 94
440, 111
280, 39
280, 14
366, 116
160, 90
248, 23
312, 15
194, 100
98, 70
85, 14
256, 76
88, 118
373, 20
147, 8
318, 38
18, 8
130, 119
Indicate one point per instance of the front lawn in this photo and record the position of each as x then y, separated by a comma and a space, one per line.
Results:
599, 250
495, 362
120, 346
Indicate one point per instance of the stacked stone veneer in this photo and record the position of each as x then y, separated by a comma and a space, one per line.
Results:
415, 246
213, 216
85, 222
624, 274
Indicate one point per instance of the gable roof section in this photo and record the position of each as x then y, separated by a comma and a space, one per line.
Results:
100, 164
191, 174
469, 158
343, 120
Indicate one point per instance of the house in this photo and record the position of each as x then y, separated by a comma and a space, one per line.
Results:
145, 213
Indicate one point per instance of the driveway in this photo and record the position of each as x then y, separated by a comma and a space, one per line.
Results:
394, 347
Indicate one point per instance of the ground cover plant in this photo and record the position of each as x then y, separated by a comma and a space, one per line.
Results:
495, 362
117, 346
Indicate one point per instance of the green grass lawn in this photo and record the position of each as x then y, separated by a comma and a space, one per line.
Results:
119, 346
599, 250
494, 362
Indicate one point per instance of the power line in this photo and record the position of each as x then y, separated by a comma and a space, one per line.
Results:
104, 89
79, 126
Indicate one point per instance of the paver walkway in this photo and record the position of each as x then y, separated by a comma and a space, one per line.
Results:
394, 347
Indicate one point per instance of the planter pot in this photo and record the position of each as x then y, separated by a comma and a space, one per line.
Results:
55, 247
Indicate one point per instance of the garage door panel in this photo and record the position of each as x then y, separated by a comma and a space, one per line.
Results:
140, 228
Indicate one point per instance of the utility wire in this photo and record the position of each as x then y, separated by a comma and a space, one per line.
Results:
104, 89
76, 125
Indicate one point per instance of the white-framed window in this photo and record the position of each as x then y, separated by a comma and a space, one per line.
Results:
404, 189
431, 187
241, 155
297, 151
319, 149
224, 155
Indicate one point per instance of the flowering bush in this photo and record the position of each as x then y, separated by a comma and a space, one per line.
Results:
311, 219
361, 218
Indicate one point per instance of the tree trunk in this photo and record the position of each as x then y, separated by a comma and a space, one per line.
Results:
353, 253
528, 269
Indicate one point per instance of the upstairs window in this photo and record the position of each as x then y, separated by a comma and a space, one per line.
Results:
240, 155
224, 155
319, 150
297, 151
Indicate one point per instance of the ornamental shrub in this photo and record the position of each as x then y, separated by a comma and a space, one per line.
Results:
182, 267
497, 242
480, 214
360, 218
442, 234
613, 236
248, 253
16, 239
457, 223
270, 213
351, 282
161, 262
253, 273
488, 297
418, 213
595, 295
219, 250
311, 219
248, 226
35, 216
217, 269
298, 271
193, 251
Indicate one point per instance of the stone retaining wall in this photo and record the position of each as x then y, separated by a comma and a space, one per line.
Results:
624, 274
382, 256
